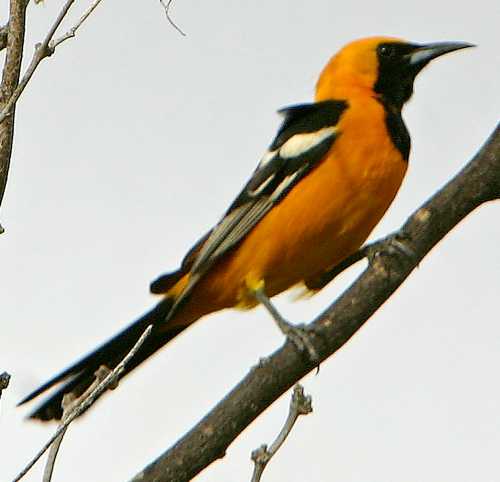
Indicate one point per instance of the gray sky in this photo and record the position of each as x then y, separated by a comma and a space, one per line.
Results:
131, 141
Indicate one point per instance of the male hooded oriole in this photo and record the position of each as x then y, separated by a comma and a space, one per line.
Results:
326, 180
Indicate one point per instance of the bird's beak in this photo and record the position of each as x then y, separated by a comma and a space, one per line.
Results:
423, 54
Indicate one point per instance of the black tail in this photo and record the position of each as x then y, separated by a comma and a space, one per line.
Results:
79, 377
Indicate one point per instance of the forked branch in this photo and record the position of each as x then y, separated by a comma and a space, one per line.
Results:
300, 404
13, 34
12, 37
83, 403
45, 49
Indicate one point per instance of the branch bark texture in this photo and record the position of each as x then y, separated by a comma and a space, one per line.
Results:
4, 382
3, 36
477, 183
10, 80
300, 404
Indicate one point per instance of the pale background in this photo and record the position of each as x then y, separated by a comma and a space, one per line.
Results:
132, 140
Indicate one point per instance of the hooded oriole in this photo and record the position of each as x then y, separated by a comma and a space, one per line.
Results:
327, 178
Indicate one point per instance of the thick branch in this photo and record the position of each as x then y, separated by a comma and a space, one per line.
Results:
10, 79
476, 184
4, 29
3, 36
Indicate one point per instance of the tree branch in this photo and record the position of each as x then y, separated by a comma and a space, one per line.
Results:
3, 36
208, 440
4, 29
83, 403
70, 403
42, 51
72, 31
14, 88
167, 6
300, 404
10, 79
4, 382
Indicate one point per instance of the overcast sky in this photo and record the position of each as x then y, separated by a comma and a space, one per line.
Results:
131, 141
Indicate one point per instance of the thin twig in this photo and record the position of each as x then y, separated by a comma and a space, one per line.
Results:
4, 382
166, 7
69, 403
72, 31
300, 404
41, 51
45, 49
88, 401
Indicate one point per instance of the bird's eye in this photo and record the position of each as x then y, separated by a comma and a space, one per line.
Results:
386, 51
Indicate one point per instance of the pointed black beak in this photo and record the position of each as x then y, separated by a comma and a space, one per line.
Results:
423, 54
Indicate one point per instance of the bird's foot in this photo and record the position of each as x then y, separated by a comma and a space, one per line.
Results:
300, 336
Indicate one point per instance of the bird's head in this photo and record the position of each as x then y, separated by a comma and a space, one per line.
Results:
384, 66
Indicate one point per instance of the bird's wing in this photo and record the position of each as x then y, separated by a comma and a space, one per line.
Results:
305, 136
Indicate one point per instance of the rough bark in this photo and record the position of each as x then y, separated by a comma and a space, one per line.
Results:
3, 36
10, 79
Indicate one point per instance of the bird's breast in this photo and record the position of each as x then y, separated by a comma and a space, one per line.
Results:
332, 211
323, 219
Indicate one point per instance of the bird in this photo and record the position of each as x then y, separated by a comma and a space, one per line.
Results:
327, 178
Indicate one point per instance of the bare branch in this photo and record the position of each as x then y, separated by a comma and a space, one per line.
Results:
3, 36
46, 49
4, 29
10, 79
4, 382
70, 403
68, 399
72, 31
300, 404
83, 404
42, 51
12, 88
167, 6
207, 441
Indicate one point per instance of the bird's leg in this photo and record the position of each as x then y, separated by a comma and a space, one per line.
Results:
299, 335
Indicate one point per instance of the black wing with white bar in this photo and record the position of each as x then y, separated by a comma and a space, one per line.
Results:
305, 136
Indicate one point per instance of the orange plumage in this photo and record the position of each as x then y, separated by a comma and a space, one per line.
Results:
327, 179
330, 213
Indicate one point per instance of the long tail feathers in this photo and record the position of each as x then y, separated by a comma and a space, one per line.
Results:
79, 376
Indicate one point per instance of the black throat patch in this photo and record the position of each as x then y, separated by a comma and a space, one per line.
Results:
397, 130
394, 86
